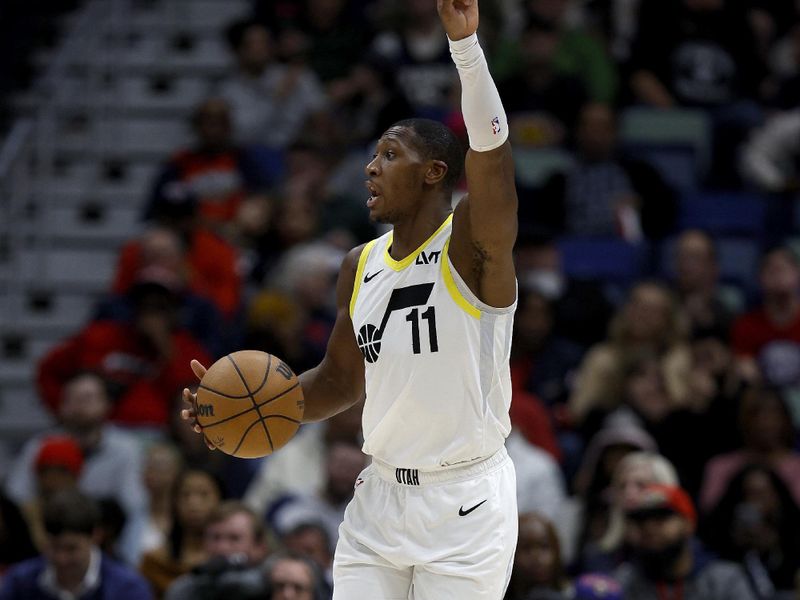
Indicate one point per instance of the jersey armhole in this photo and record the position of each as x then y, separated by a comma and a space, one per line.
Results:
362, 262
452, 286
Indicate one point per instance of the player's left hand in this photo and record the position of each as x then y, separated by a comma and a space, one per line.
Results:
190, 414
459, 17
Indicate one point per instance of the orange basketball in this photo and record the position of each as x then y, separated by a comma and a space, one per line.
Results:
249, 404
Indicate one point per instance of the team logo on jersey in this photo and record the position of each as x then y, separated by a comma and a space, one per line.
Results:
369, 336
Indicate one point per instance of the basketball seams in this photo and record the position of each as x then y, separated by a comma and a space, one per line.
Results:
253, 400
247, 410
244, 435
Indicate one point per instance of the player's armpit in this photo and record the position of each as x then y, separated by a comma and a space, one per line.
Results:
338, 381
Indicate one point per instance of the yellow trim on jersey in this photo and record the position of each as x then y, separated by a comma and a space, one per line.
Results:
399, 265
362, 261
455, 293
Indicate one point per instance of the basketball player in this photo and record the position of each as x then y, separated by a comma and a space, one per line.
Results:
424, 329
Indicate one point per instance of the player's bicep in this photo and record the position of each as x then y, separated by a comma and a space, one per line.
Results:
492, 198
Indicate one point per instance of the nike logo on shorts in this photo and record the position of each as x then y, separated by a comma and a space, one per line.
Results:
368, 277
464, 513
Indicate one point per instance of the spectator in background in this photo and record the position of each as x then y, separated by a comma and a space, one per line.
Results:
650, 321
703, 299
619, 437
755, 524
542, 103
581, 308
415, 48
198, 315
540, 484
701, 53
766, 340
766, 428
645, 399
55, 468
666, 559
293, 577
162, 464
311, 541
72, 566
213, 171
111, 463
143, 361
579, 53
206, 262
538, 571
271, 102
542, 361
344, 463
631, 476
604, 193
16, 543
235, 543
300, 467
197, 495
369, 100
332, 35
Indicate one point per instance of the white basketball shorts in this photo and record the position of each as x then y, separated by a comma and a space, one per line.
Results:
440, 535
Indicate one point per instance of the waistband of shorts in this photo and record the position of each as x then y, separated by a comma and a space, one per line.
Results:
411, 477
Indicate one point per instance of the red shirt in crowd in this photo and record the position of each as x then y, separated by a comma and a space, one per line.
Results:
777, 348
213, 270
143, 385
215, 179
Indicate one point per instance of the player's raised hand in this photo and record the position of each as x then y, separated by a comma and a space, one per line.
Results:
190, 414
459, 17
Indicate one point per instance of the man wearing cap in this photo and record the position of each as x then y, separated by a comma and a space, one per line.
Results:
110, 458
666, 561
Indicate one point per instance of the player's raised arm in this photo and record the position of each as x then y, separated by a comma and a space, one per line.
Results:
485, 222
338, 381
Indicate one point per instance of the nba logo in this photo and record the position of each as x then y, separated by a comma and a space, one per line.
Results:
496, 125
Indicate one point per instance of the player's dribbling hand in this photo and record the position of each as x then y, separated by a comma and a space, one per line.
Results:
190, 414
459, 17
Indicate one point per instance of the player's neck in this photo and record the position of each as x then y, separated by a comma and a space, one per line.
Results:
409, 234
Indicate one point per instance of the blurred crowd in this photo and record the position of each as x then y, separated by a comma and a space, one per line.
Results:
655, 420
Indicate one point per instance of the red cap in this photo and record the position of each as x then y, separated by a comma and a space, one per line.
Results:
663, 497
60, 451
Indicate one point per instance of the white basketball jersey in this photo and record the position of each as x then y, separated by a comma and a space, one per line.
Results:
437, 373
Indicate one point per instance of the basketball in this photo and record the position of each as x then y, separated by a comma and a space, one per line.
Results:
249, 404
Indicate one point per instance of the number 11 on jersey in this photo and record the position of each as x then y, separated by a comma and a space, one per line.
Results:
430, 316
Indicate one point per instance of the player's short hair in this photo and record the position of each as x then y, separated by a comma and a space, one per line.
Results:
436, 141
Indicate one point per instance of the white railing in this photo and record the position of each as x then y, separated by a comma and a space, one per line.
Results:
91, 48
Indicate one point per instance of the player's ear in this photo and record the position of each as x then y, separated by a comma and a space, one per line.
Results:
437, 169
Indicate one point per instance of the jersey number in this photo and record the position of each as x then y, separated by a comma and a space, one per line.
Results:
430, 316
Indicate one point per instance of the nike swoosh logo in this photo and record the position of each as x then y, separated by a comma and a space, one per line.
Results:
464, 513
368, 277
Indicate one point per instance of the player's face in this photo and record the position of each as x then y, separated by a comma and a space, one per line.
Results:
396, 175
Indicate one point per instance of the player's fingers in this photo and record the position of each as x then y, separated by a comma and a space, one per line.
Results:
209, 444
189, 397
198, 369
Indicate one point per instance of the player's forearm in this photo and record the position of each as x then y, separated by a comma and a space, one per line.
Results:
484, 115
325, 393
